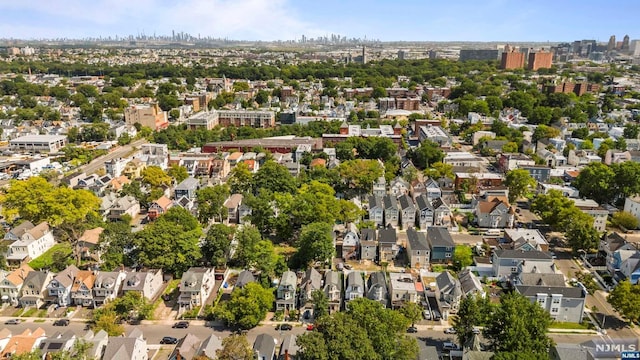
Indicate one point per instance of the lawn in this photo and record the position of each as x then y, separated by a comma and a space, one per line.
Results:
171, 286
46, 260
571, 326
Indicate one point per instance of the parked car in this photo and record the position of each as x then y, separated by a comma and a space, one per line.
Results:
12, 322
310, 327
436, 315
61, 322
450, 330
169, 340
449, 346
476, 331
181, 325
412, 330
426, 314
284, 327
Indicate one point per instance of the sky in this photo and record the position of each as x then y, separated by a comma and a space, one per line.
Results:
386, 20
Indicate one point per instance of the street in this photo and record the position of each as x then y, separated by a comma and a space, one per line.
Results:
119, 152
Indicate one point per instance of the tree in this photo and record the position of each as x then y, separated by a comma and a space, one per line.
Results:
275, 178
596, 181
625, 219
519, 181
155, 176
579, 230
545, 132
411, 311
440, 170
315, 244
631, 131
240, 179
467, 318
320, 303
132, 305
426, 154
211, 201
215, 248
170, 243
548, 206
462, 256
235, 347
625, 298
178, 173
359, 175
105, 318
114, 242
247, 306
518, 325
510, 147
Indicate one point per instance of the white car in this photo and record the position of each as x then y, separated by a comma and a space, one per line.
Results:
449, 346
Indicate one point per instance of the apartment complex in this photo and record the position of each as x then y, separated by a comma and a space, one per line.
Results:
540, 60
146, 115
256, 119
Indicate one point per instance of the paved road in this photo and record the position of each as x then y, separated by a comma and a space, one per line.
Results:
119, 152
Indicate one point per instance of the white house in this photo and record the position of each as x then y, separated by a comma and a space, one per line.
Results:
59, 287
196, 286
33, 243
632, 205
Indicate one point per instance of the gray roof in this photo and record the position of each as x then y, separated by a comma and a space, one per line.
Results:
355, 278
66, 276
37, 278
187, 347
264, 347
520, 254
288, 278
448, 284
119, 348
376, 280
406, 202
209, 346
312, 279
569, 292
571, 352
374, 202
332, 278
188, 184
244, 278
417, 240
193, 278
289, 344
134, 281
422, 202
387, 236
439, 236
19, 230
538, 279
367, 235
106, 279
390, 202
469, 282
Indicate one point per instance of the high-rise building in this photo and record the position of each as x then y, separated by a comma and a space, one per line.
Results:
625, 43
364, 54
512, 59
540, 60
612, 43
634, 48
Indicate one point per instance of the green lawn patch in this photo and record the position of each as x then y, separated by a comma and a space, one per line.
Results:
18, 312
173, 284
39, 320
571, 326
42, 313
29, 313
191, 314
46, 260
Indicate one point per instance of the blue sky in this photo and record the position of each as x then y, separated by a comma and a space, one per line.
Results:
387, 20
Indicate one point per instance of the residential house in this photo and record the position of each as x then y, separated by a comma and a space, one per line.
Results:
590, 207
470, 284
632, 205
494, 213
333, 290
81, 290
616, 250
59, 288
506, 262
407, 211
377, 288
441, 244
59, 342
425, 211
33, 243
508, 162
147, 283
196, 286
286, 292
22, 343
245, 277
34, 289
97, 341
132, 346
540, 173
524, 239
159, 207
380, 188
565, 304
418, 250
88, 244
536, 278
187, 188
126, 205
11, 285
398, 187
376, 210
118, 183
630, 268
581, 158
134, 168
107, 286
368, 244
311, 281
448, 293
233, 208
350, 242
17, 232
220, 168
289, 348
441, 213
264, 347
402, 289
354, 286
432, 189
391, 212
185, 348
613, 156
417, 188
387, 245
209, 346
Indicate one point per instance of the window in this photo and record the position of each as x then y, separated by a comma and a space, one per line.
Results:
556, 301
514, 269
554, 310
541, 301
447, 255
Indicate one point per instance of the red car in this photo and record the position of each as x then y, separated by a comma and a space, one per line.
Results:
310, 327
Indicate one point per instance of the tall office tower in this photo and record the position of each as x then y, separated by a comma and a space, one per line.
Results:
512, 59
364, 54
612, 43
540, 60
625, 42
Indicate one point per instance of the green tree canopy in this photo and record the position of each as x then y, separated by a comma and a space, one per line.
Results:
216, 244
625, 298
462, 256
155, 176
596, 181
315, 244
426, 154
178, 173
235, 347
247, 306
211, 203
519, 182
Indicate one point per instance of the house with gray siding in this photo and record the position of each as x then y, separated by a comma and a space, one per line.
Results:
418, 250
565, 304
407, 211
376, 210
391, 211
441, 244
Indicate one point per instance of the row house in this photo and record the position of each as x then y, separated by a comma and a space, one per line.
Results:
333, 290
402, 289
159, 207
147, 283
59, 288
407, 211
196, 285
34, 289
432, 213
565, 304
33, 242
441, 244
418, 250
508, 263
350, 242
368, 244
354, 287
590, 207
391, 211
88, 244
11, 284
107, 286
82, 288
311, 281
286, 292
494, 212
377, 289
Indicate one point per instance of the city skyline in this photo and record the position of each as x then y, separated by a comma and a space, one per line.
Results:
494, 20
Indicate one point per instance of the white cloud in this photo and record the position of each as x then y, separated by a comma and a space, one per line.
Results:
235, 19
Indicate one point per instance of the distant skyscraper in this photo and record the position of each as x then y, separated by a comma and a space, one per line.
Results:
625, 42
364, 54
511, 59
612, 43
539, 60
